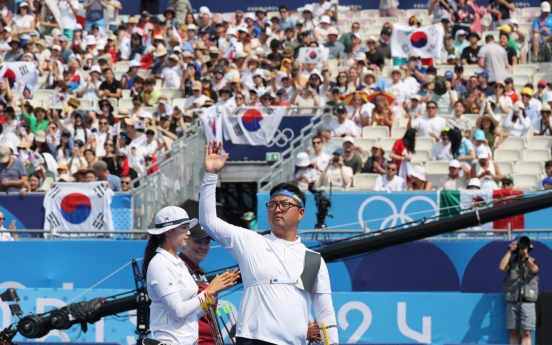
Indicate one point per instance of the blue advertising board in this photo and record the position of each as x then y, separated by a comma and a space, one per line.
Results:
28, 211
422, 266
129, 6
380, 210
434, 318
289, 129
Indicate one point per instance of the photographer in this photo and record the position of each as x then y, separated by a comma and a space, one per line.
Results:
336, 173
520, 290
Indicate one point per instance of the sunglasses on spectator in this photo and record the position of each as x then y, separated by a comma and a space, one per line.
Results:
391, 169
108, 144
316, 142
356, 27
432, 107
497, 86
2, 218
549, 172
125, 182
103, 123
506, 183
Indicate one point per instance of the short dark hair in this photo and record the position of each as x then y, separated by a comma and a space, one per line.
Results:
292, 188
102, 62
126, 176
489, 38
224, 62
89, 172
107, 69
138, 79
431, 102
89, 150
548, 164
150, 81
392, 162
318, 136
282, 7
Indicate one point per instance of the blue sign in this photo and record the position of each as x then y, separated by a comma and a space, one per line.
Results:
28, 211
289, 129
434, 318
380, 210
129, 6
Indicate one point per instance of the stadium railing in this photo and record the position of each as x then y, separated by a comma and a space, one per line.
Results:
279, 171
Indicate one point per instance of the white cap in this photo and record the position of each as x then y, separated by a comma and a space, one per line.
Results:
475, 182
205, 10
454, 164
96, 69
460, 32
325, 19
134, 63
100, 46
332, 31
56, 47
169, 218
302, 159
78, 27
90, 40
191, 27
545, 6
250, 16
482, 152
231, 31
146, 115
513, 21
519, 105
349, 138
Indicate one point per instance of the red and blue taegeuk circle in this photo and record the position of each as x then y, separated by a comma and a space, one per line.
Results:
75, 208
418, 39
10, 75
251, 120
313, 55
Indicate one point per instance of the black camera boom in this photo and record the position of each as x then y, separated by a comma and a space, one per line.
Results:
323, 204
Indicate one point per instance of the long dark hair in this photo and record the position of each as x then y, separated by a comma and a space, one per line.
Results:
455, 137
514, 115
151, 249
409, 140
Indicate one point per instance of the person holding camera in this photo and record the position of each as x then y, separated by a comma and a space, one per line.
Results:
521, 290
337, 173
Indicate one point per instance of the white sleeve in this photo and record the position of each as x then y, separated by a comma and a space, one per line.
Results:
178, 309
325, 313
227, 235
378, 184
526, 122
508, 123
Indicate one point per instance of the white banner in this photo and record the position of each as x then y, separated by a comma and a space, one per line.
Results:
426, 40
20, 73
252, 126
79, 207
54, 8
212, 122
313, 54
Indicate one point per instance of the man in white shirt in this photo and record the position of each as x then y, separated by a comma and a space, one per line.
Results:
422, 126
390, 182
441, 150
436, 123
342, 126
5, 236
197, 100
277, 298
172, 74
453, 181
337, 174
69, 10
319, 159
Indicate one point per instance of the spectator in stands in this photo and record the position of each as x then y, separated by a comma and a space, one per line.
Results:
436, 122
342, 126
449, 53
485, 170
465, 16
441, 150
101, 171
507, 182
376, 163
418, 180
541, 125
384, 47
319, 159
510, 90
490, 127
6, 236
390, 182
415, 110
453, 181
483, 84
360, 111
493, 59
336, 48
303, 173
351, 158
404, 148
500, 11
375, 55
111, 87
90, 176
459, 121
384, 113
474, 183
125, 183
444, 97
462, 149
336, 173
546, 182
470, 53
542, 29
518, 123
13, 174
503, 102
479, 139
397, 87
440, 8
511, 53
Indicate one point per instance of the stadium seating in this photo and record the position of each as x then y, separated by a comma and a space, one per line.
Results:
364, 181
513, 143
526, 181
437, 167
525, 167
536, 155
375, 132
505, 155
507, 168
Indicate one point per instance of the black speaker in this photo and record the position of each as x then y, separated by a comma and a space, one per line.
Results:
543, 334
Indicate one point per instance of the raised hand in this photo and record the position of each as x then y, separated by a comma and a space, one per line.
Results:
214, 160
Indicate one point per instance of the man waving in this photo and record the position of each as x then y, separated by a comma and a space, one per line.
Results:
281, 277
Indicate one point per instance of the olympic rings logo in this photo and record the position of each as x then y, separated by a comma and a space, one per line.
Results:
392, 219
281, 138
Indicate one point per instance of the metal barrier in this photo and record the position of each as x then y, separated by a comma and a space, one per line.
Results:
279, 171
178, 177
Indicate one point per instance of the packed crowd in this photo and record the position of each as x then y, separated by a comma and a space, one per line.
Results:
99, 122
